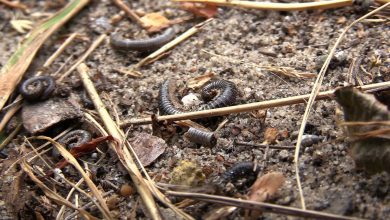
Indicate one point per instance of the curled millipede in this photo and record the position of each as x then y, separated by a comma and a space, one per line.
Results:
73, 139
226, 97
201, 137
167, 99
240, 170
37, 88
145, 45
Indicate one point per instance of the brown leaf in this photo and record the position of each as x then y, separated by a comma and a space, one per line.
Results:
367, 126
270, 135
155, 22
266, 186
199, 81
40, 116
201, 10
147, 147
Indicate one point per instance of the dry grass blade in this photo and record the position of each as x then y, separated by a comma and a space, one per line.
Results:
57, 53
22, 26
157, 54
260, 206
276, 6
69, 157
130, 12
12, 72
10, 136
280, 70
9, 115
51, 194
314, 93
17, 5
62, 210
150, 182
245, 107
93, 46
122, 152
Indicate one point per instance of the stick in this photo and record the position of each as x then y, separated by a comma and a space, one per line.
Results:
130, 12
121, 151
245, 107
157, 54
276, 6
266, 207
17, 5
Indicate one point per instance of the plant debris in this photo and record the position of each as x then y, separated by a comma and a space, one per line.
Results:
40, 116
367, 124
147, 147
187, 173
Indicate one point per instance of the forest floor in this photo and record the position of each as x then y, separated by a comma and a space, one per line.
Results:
237, 45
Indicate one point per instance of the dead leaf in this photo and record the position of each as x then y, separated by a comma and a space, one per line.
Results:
147, 147
270, 135
265, 186
201, 10
155, 22
341, 20
199, 81
365, 119
40, 116
22, 26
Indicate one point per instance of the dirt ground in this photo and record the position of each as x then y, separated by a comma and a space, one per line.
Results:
244, 38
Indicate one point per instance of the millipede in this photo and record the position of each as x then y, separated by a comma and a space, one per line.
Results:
73, 139
240, 170
145, 45
226, 97
201, 137
167, 100
37, 88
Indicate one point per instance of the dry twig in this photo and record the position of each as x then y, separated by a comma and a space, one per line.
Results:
122, 152
245, 107
130, 13
265, 207
17, 5
276, 6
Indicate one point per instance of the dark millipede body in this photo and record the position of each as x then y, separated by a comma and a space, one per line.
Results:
145, 45
86, 99
73, 139
165, 100
37, 88
240, 170
201, 137
226, 97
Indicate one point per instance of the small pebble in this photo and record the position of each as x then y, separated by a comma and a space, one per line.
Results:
190, 100
283, 155
126, 190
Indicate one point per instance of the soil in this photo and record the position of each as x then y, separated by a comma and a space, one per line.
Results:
300, 40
